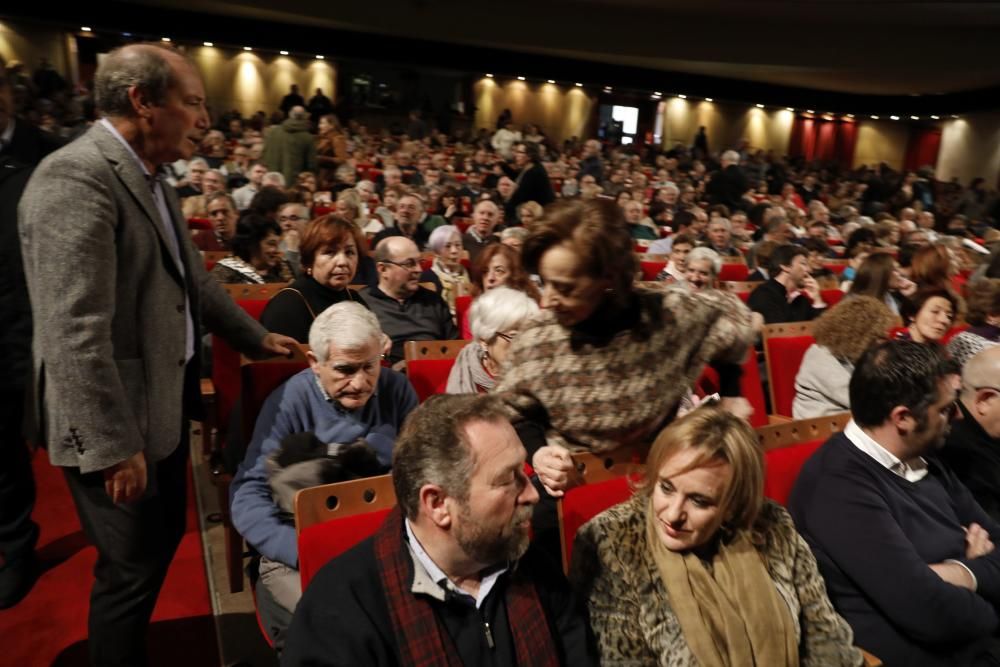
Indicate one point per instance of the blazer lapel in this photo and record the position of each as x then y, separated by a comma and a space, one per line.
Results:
134, 180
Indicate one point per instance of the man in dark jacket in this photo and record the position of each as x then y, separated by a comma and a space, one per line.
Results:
729, 184
291, 148
791, 295
449, 577
973, 447
532, 180
902, 545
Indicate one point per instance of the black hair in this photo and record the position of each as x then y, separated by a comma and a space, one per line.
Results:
893, 373
250, 231
268, 200
783, 255
681, 219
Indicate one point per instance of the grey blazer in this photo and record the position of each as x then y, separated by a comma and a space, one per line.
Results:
108, 302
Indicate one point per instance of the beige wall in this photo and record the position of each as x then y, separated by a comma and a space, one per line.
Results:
250, 82
29, 43
970, 147
726, 125
881, 141
561, 112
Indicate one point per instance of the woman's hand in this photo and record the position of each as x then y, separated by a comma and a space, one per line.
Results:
554, 466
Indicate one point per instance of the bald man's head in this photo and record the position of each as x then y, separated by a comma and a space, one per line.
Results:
398, 261
981, 389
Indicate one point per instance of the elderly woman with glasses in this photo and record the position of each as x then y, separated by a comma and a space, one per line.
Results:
495, 318
698, 569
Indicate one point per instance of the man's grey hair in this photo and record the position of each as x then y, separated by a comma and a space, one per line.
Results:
273, 178
672, 187
217, 173
721, 221
700, 254
497, 310
143, 66
519, 233
441, 236
731, 156
348, 325
298, 113
221, 194
197, 160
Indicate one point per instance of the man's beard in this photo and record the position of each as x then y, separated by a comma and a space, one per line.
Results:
488, 548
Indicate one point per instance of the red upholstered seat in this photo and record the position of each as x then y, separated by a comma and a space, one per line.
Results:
200, 223
259, 380
226, 369
836, 268
784, 358
321, 543
462, 305
744, 296
781, 467
582, 503
651, 269
831, 296
429, 376
425, 263
750, 388
734, 271
462, 223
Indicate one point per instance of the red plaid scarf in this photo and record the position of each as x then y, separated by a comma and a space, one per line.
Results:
422, 639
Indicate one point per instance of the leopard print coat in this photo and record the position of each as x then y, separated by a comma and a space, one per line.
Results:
630, 613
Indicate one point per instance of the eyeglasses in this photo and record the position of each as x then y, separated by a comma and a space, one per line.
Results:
346, 371
410, 264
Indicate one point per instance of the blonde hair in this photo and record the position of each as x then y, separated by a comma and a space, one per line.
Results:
717, 435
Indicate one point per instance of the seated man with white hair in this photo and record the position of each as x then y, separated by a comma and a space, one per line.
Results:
495, 318
701, 269
345, 396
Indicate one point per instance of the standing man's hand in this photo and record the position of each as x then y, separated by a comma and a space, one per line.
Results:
125, 481
278, 345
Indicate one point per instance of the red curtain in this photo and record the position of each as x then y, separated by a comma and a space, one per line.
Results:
826, 140
922, 148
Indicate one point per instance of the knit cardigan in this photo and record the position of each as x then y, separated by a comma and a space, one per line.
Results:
600, 395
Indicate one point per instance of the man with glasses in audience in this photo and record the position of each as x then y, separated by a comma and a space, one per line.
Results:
973, 446
405, 309
345, 396
292, 218
902, 544
450, 577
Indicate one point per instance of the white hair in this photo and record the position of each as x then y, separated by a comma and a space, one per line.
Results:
731, 156
348, 325
197, 160
701, 254
441, 236
273, 178
671, 187
498, 310
721, 221
514, 232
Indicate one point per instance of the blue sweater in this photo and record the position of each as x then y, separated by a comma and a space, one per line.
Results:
874, 535
296, 407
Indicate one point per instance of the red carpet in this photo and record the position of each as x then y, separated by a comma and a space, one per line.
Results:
49, 627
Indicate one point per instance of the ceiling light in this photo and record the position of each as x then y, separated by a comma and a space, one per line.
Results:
914, 117
759, 106
208, 44
247, 48
810, 111
162, 39
790, 109
874, 117
850, 115
489, 76
579, 85
893, 117
520, 78
683, 97
955, 116
935, 117
319, 57
284, 53
656, 94
709, 99
85, 28
551, 81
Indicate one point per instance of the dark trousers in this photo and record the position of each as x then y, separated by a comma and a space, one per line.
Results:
135, 544
18, 533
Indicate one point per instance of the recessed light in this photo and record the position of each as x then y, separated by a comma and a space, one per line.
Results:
850, 115
551, 81
759, 106
85, 28
709, 99
208, 44
955, 116
874, 117
656, 94
810, 111
162, 39
914, 117
284, 53
489, 76
579, 85
318, 57
935, 117
893, 117
683, 97
247, 48
520, 78
790, 109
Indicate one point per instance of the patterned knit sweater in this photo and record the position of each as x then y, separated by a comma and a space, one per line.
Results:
599, 395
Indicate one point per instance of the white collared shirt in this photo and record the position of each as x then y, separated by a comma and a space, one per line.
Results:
914, 471
173, 243
438, 575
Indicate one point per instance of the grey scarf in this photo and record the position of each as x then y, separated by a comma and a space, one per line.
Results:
468, 376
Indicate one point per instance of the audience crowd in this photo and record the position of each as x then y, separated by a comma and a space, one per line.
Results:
535, 252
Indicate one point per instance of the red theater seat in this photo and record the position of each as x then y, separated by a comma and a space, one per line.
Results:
734, 271
831, 296
429, 376
651, 269
784, 347
787, 446
320, 544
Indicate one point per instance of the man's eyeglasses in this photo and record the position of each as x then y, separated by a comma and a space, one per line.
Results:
409, 265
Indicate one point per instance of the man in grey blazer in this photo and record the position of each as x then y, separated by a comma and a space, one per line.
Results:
118, 292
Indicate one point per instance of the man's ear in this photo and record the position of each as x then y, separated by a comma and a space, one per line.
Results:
313, 361
141, 104
434, 505
903, 419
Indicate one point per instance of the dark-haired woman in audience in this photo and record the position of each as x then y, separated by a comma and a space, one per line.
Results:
842, 335
879, 277
928, 315
698, 569
496, 318
498, 264
331, 249
606, 364
256, 257
983, 315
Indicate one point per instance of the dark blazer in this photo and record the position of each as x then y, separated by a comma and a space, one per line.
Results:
108, 300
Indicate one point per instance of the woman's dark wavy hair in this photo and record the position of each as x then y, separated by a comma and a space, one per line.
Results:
250, 231
596, 231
